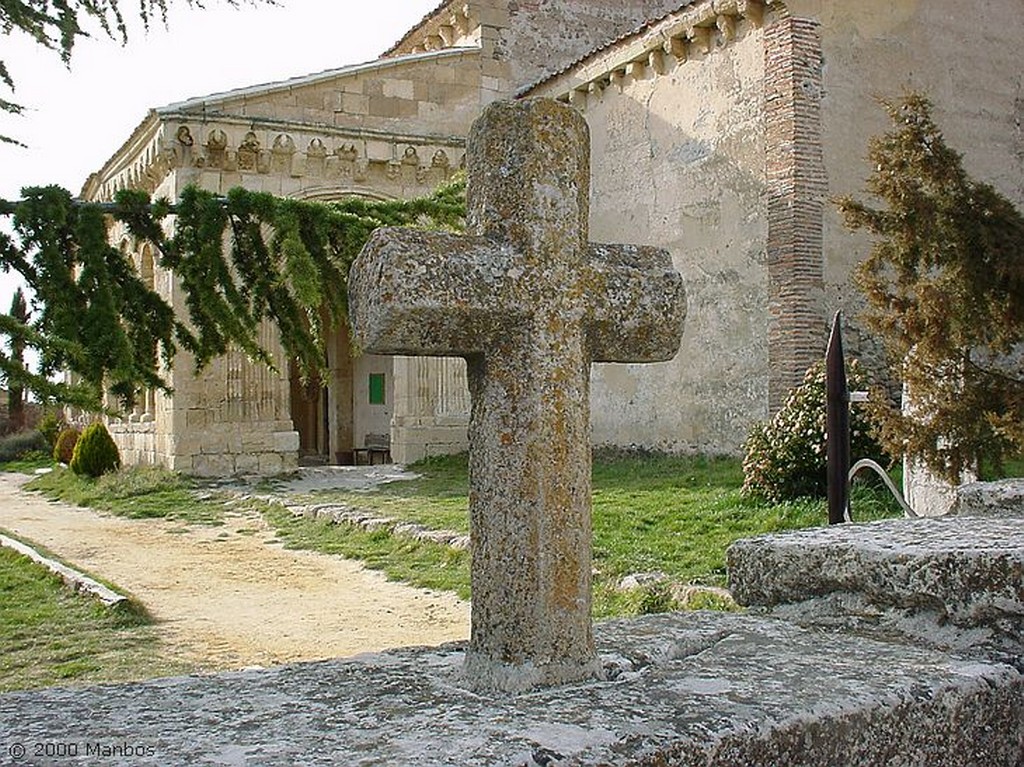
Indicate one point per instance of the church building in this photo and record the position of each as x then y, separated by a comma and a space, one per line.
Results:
720, 131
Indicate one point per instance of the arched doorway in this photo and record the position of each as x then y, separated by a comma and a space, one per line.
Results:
322, 408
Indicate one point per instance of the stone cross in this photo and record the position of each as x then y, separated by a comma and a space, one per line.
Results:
529, 304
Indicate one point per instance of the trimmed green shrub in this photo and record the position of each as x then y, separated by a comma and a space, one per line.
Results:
15, 446
64, 446
95, 452
785, 457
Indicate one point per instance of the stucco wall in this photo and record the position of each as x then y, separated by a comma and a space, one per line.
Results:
543, 36
372, 418
678, 162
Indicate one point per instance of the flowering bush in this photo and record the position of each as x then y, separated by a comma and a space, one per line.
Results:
784, 458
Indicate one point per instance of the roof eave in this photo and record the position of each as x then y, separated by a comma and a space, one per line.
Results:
144, 133
214, 100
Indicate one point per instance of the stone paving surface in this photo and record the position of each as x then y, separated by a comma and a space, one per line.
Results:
683, 689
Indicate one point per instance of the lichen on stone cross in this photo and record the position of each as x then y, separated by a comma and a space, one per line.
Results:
530, 304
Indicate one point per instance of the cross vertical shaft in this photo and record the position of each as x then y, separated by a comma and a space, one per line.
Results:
531, 546
529, 304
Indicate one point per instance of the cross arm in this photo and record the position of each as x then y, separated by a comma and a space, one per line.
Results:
416, 292
639, 304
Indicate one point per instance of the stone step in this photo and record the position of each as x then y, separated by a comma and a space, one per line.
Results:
704, 689
967, 571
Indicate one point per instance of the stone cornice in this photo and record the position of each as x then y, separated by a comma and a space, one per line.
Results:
442, 28
147, 156
141, 149
693, 30
298, 126
265, 146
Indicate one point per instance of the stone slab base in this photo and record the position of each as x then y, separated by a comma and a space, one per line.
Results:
1002, 498
682, 689
967, 571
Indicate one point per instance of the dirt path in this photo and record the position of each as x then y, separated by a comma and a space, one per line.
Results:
227, 597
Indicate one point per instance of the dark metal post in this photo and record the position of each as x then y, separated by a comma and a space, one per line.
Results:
837, 425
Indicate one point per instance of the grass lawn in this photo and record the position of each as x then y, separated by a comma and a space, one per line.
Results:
651, 513
137, 493
51, 636
27, 464
1012, 467
426, 565
672, 514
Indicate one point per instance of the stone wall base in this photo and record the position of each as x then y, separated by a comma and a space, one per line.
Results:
414, 439
137, 443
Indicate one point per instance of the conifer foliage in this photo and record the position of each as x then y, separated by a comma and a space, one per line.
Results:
95, 452
944, 284
15, 389
238, 261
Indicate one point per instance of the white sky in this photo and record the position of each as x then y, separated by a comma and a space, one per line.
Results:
77, 117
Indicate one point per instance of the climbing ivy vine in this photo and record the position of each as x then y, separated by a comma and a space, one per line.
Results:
237, 261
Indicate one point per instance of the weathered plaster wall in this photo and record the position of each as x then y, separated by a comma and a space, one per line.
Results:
544, 36
372, 418
678, 162
965, 57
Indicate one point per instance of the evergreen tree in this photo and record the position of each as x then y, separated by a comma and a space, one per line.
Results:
287, 263
15, 389
944, 284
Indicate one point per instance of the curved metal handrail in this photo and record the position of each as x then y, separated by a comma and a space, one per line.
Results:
867, 463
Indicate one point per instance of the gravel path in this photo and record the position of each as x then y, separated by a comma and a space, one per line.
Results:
230, 597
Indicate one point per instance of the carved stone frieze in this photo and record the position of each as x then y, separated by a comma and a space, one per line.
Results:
294, 153
443, 31
248, 153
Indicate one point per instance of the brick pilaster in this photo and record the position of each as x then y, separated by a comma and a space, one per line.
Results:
796, 186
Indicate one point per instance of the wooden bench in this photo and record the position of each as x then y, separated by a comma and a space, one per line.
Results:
374, 445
